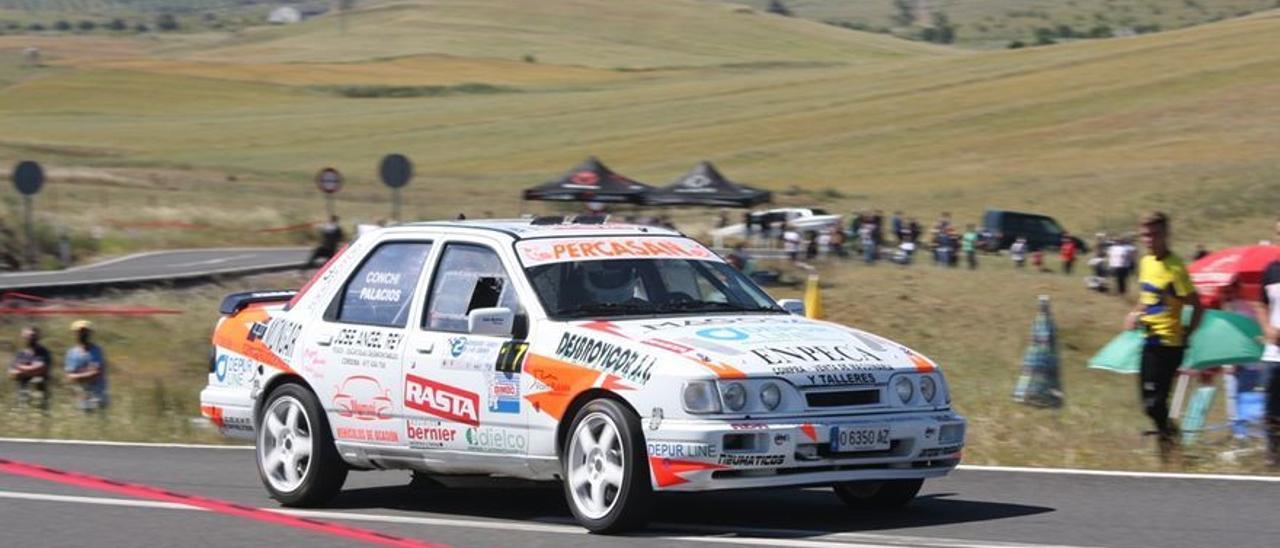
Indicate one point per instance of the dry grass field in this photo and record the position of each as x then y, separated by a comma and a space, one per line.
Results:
222, 132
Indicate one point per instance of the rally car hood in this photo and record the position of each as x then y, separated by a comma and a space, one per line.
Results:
805, 352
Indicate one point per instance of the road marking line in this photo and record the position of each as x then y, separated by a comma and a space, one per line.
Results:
726, 535
86, 481
963, 467
124, 444
1119, 473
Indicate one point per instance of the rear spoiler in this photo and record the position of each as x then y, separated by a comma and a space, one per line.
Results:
236, 302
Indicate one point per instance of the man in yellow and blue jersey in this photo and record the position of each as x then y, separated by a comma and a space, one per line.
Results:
1164, 287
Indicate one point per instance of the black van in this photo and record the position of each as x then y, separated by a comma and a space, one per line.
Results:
1041, 231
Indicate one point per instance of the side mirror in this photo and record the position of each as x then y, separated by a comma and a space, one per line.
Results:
792, 306
495, 321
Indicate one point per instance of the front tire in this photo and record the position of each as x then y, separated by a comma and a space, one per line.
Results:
878, 495
605, 469
297, 460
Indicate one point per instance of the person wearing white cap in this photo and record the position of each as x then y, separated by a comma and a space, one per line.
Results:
87, 368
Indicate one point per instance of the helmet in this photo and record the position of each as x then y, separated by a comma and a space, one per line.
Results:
610, 281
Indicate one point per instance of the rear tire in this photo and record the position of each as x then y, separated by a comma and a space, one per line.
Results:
606, 472
878, 495
297, 461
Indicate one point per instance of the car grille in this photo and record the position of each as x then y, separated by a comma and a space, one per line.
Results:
843, 398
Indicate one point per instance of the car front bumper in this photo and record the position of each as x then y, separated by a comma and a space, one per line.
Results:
700, 455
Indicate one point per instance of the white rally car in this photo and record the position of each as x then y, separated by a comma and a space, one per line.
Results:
621, 360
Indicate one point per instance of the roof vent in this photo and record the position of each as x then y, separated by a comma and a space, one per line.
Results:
590, 219
547, 220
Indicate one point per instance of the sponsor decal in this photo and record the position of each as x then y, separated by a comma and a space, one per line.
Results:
626, 363
471, 354
843, 353
781, 439
367, 347
751, 460
234, 370
681, 450
678, 323
281, 336
363, 398
772, 332
313, 363
536, 252
429, 434
668, 345
489, 439
749, 426
379, 435
441, 400
841, 379
504, 393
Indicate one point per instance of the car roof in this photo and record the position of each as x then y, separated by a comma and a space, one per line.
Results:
543, 227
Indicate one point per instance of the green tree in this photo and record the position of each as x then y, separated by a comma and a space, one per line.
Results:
117, 24
904, 13
87, 26
61, 25
166, 22
776, 7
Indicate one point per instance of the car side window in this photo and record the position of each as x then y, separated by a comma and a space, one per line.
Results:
468, 277
381, 290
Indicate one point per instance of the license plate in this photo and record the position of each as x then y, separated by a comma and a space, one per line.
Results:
848, 439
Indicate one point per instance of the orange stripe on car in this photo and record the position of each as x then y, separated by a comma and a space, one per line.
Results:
233, 335
565, 381
668, 472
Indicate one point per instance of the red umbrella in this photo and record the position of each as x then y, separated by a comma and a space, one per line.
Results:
1241, 266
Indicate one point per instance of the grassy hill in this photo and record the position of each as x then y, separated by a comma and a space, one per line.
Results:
1088, 131
995, 23
596, 33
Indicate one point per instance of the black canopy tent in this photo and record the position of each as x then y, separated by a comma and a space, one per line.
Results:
591, 181
705, 186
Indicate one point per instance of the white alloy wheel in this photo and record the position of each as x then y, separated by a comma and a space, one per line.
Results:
596, 465
285, 444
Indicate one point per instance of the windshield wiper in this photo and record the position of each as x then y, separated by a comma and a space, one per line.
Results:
712, 306
609, 309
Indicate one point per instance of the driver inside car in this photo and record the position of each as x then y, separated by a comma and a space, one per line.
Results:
613, 282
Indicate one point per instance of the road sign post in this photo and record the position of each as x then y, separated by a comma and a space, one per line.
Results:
329, 181
395, 172
28, 178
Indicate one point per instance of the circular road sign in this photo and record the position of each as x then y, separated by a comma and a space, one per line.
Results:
396, 170
28, 177
329, 180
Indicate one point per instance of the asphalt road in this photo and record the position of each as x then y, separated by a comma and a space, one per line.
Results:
182, 264
968, 509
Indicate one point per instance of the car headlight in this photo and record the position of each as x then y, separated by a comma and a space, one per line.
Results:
770, 396
904, 388
928, 388
735, 396
701, 397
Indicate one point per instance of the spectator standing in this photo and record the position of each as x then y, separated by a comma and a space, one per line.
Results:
791, 243
913, 232
87, 367
30, 367
811, 245
1120, 264
331, 237
1068, 253
1164, 288
866, 235
836, 240
1018, 252
739, 258
877, 224
969, 243
1201, 253
1268, 315
896, 225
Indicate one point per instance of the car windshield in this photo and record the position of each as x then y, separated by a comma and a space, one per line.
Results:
644, 287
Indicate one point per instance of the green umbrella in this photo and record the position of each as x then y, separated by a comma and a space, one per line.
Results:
1223, 338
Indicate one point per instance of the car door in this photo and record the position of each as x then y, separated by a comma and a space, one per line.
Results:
352, 354
462, 389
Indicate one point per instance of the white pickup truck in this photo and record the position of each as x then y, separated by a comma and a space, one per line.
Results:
619, 360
